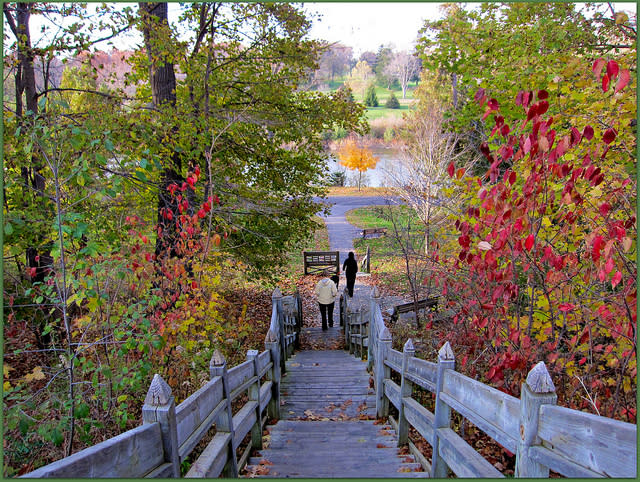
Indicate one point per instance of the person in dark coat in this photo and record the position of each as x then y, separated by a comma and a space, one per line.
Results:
350, 268
336, 279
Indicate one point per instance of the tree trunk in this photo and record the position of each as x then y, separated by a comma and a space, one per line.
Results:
163, 90
38, 258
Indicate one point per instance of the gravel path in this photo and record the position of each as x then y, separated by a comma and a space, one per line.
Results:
341, 233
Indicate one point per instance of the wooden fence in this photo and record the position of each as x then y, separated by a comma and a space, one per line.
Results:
169, 433
542, 435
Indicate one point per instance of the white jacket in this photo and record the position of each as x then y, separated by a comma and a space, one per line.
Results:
326, 291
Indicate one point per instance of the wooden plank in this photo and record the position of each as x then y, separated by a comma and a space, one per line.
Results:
264, 362
196, 408
242, 388
394, 360
420, 418
131, 454
213, 458
243, 421
494, 412
392, 391
559, 464
463, 460
188, 445
422, 373
240, 374
600, 444
165, 471
265, 394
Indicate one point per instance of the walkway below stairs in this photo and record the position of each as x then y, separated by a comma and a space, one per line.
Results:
328, 426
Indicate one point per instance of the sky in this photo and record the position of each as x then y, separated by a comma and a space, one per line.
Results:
366, 26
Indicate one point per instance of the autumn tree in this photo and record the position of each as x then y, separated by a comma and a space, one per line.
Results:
335, 60
360, 77
357, 158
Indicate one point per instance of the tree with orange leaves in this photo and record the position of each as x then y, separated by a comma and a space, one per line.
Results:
357, 158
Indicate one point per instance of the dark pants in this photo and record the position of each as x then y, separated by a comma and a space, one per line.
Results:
323, 314
350, 283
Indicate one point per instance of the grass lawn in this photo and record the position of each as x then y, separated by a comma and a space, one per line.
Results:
387, 262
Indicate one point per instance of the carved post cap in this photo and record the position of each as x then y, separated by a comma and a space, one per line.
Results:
445, 352
271, 337
277, 294
385, 335
159, 393
539, 380
217, 359
252, 354
408, 347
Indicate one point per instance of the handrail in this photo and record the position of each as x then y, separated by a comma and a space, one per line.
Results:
542, 435
170, 433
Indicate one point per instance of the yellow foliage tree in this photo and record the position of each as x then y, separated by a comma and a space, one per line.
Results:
357, 158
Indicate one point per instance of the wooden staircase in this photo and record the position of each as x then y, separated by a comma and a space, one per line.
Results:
328, 426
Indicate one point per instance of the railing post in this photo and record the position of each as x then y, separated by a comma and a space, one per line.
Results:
224, 422
382, 373
368, 260
347, 326
442, 416
373, 331
298, 302
304, 260
406, 389
537, 390
254, 396
271, 344
276, 298
160, 406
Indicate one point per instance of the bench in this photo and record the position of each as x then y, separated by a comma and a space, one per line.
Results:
373, 231
321, 262
429, 303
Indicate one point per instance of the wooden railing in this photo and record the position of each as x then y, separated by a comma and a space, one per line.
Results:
542, 435
169, 433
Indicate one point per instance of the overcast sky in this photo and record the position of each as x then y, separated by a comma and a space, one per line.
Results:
366, 26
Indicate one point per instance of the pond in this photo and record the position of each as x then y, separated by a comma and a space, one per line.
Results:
378, 177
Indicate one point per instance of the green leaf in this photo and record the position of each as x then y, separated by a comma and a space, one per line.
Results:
108, 145
82, 410
8, 229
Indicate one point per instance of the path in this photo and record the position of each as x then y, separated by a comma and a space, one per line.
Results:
341, 233
328, 426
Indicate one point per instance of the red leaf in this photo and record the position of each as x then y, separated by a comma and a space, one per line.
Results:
480, 96
533, 110
605, 83
505, 130
565, 307
598, 65
543, 94
604, 209
512, 178
616, 279
608, 267
609, 136
623, 80
451, 169
588, 132
529, 242
582, 360
543, 107
493, 104
612, 69
201, 213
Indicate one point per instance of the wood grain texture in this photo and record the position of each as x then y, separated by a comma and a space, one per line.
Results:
493, 411
213, 458
600, 444
422, 373
131, 454
197, 407
240, 374
462, 459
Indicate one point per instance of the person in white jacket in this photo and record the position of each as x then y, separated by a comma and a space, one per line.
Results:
326, 292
